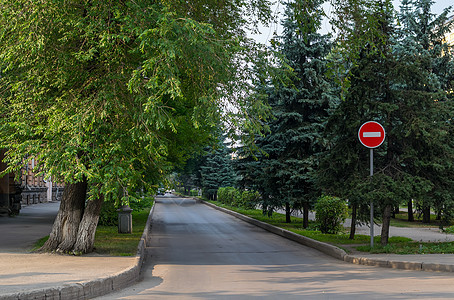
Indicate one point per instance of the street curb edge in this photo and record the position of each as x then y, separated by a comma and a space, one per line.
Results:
334, 251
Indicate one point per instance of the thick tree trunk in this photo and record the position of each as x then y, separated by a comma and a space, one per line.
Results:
411, 217
305, 215
353, 225
385, 225
87, 227
426, 214
287, 213
66, 225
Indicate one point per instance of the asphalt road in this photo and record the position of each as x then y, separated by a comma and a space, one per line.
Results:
199, 253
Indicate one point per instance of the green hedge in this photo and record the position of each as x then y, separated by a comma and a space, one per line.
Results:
238, 198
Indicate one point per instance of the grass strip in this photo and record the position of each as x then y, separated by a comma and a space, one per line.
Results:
109, 242
296, 226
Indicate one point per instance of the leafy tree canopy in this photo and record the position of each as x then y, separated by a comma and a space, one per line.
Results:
118, 91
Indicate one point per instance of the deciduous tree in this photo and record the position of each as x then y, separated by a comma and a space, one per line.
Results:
108, 95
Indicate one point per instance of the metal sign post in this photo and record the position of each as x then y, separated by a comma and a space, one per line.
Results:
371, 134
371, 202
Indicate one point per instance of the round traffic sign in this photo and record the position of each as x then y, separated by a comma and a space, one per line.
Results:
371, 134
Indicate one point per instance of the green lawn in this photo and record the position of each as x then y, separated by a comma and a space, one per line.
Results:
296, 226
109, 242
401, 221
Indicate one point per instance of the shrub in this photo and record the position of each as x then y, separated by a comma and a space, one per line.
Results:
330, 213
449, 229
250, 199
194, 193
109, 214
227, 195
222, 194
234, 197
138, 204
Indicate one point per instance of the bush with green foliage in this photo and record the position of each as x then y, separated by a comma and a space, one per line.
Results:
229, 195
109, 214
330, 213
141, 203
222, 194
238, 198
194, 193
250, 199
449, 229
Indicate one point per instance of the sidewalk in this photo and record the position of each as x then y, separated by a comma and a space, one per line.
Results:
24, 275
426, 234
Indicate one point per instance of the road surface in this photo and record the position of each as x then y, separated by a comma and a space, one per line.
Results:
199, 253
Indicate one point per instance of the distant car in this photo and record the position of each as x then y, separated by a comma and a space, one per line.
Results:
161, 192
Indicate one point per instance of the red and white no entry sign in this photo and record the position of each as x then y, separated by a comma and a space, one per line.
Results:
371, 134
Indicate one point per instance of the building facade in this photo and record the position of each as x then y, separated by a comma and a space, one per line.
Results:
30, 189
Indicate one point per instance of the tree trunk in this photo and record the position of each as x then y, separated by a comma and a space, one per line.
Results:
411, 217
426, 214
385, 225
66, 225
87, 227
353, 225
287, 213
305, 215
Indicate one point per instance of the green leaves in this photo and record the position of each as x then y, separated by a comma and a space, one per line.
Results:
330, 214
117, 92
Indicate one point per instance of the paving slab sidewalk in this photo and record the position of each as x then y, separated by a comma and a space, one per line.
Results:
22, 272
24, 275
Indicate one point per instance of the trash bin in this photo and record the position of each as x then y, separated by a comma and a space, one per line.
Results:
124, 219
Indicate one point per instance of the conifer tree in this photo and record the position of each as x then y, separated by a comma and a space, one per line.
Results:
216, 169
365, 51
285, 175
391, 82
426, 64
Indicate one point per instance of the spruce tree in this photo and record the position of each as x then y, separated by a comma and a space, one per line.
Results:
426, 62
216, 169
368, 95
394, 83
286, 172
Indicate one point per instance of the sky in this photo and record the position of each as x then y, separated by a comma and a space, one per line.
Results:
267, 32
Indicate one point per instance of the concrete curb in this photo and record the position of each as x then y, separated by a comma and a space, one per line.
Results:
94, 288
320, 246
336, 252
